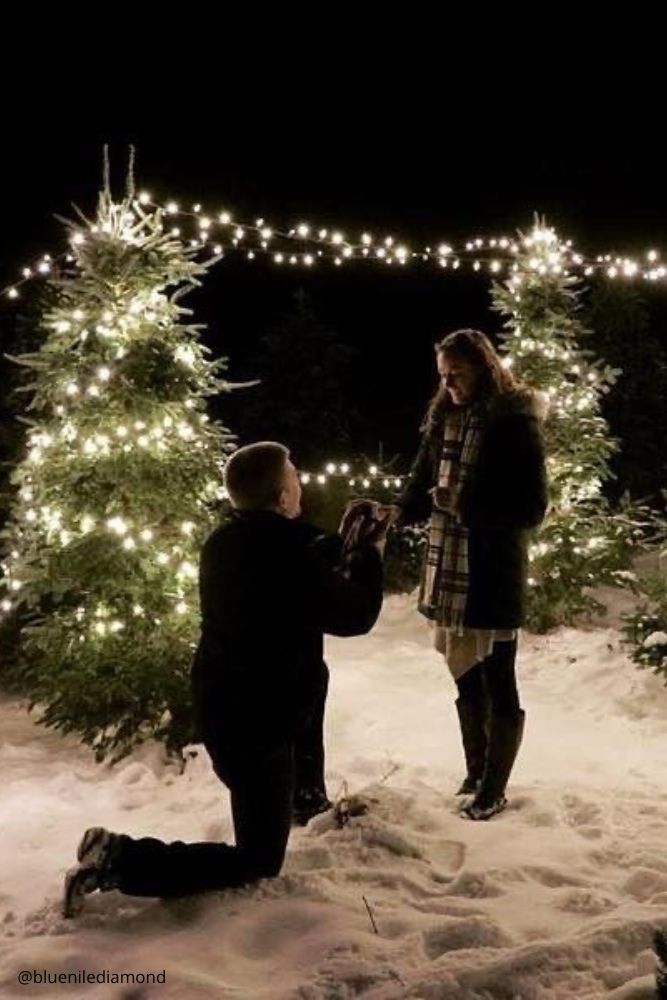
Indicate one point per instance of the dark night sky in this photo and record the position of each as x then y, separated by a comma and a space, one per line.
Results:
419, 171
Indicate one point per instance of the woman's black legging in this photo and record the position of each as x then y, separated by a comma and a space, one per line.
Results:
493, 681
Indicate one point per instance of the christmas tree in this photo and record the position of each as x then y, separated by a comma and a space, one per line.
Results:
626, 335
581, 544
302, 359
118, 488
645, 628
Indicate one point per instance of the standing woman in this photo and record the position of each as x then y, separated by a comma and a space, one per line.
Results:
480, 478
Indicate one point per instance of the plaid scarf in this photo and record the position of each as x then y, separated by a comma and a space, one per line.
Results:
445, 579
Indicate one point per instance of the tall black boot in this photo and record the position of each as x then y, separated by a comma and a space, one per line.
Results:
472, 722
504, 741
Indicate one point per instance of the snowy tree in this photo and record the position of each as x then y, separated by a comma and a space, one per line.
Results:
582, 543
627, 336
118, 488
646, 628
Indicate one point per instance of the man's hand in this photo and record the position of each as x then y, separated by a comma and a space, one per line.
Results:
377, 532
354, 510
365, 522
393, 513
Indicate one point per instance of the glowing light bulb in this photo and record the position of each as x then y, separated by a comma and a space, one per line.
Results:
331, 468
118, 525
186, 355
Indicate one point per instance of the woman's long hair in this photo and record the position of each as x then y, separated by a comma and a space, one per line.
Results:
493, 378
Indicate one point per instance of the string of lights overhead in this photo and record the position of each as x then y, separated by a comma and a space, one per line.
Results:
218, 234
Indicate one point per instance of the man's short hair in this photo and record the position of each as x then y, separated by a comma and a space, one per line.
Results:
255, 475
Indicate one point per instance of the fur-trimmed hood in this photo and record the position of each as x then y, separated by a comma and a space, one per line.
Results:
529, 402
525, 401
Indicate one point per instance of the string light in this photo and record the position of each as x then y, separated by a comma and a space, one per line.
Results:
484, 254
340, 472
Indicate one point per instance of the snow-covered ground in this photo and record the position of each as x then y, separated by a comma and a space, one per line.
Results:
558, 897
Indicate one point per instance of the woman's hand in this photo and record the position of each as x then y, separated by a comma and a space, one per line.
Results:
443, 499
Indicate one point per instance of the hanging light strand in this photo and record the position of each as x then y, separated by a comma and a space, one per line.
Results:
306, 245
